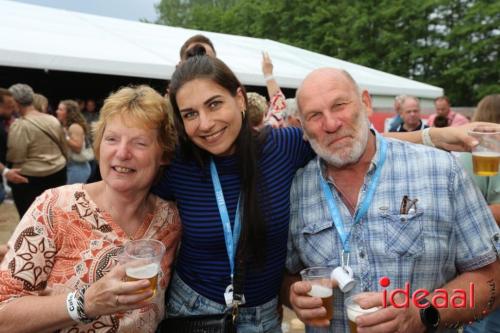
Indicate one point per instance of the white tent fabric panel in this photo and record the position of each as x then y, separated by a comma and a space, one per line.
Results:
46, 38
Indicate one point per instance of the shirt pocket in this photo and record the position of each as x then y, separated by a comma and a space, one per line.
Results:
403, 234
317, 247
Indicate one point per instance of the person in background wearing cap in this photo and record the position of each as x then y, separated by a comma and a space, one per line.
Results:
383, 208
37, 147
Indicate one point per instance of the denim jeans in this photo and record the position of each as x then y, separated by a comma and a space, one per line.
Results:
490, 324
78, 172
184, 301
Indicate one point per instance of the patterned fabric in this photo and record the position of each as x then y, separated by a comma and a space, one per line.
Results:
277, 106
451, 230
454, 119
65, 241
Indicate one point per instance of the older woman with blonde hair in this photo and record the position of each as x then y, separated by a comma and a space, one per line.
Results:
257, 108
68, 244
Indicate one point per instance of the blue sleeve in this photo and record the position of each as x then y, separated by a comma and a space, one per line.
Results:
163, 188
293, 144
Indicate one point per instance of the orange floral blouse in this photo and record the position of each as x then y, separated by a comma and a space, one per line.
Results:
64, 241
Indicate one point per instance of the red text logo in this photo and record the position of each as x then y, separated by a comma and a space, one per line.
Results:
441, 298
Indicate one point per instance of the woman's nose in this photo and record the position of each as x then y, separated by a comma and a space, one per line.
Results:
123, 151
206, 121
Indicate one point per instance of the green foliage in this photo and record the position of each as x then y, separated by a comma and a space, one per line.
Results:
450, 43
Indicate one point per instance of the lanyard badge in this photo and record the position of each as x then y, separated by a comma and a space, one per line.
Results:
344, 273
231, 238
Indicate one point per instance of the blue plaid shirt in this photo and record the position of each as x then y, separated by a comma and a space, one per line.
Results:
451, 231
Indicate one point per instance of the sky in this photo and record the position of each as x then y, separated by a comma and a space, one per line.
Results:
133, 10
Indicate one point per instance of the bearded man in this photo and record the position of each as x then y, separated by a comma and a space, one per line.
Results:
384, 210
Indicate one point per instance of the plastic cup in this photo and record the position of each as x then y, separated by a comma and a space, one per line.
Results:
142, 260
486, 155
322, 287
354, 310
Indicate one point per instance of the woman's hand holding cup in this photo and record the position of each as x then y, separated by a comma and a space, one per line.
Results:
111, 294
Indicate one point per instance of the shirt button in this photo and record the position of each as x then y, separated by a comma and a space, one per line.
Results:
366, 289
361, 254
496, 237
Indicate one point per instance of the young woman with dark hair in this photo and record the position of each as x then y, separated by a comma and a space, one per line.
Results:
255, 173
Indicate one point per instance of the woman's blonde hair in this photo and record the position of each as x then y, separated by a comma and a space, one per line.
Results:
139, 106
257, 108
40, 102
488, 109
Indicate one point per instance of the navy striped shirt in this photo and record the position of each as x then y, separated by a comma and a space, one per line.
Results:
202, 261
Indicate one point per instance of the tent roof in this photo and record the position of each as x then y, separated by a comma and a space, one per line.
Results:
55, 39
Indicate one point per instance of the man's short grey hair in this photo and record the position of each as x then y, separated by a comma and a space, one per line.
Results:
291, 109
400, 98
406, 97
22, 93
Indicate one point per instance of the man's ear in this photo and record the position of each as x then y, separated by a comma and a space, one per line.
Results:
366, 99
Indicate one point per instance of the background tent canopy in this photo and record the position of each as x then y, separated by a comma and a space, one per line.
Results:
55, 39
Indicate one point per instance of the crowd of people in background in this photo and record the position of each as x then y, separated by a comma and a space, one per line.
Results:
229, 158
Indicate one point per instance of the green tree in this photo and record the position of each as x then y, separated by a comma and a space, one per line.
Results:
450, 43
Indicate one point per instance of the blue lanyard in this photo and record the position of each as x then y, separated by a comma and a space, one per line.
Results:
365, 204
230, 238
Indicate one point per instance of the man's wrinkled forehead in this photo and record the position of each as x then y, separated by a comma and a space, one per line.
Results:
330, 78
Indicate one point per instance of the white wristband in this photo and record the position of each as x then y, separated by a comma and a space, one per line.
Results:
72, 307
268, 77
5, 170
426, 138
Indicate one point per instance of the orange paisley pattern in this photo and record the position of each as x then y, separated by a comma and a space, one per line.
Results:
65, 241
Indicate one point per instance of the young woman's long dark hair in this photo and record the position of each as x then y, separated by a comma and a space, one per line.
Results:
253, 237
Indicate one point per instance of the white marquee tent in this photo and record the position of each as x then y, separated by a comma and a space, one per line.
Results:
46, 38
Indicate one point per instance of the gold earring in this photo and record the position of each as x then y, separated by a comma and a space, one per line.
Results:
243, 113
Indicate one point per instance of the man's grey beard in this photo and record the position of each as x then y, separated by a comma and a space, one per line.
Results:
356, 151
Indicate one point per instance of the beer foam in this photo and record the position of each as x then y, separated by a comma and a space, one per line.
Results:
143, 272
486, 154
354, 310
320, 291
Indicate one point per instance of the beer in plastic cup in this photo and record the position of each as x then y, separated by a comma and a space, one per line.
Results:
142, 261
486, 155
354, 310
321, 286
